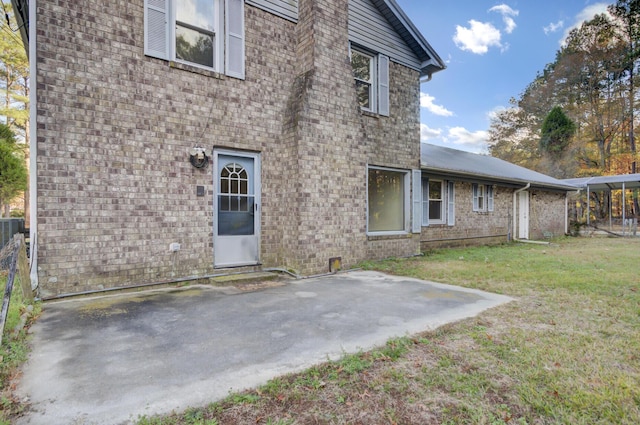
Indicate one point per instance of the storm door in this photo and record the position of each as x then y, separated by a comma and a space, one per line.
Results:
236, 237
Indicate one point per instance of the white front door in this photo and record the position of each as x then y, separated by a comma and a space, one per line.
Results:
236, 209
523, 215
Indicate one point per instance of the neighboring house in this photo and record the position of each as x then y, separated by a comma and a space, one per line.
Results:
176, 140
471, 199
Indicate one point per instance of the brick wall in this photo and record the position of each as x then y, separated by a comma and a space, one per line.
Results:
547, 214
546, 217
472, 228
114, 128
392, 144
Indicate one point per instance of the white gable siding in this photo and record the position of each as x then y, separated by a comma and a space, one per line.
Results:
368, 28
287, 9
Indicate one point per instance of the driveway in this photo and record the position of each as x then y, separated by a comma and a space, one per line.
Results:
112, 359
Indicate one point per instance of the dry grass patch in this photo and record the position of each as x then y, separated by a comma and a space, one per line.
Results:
567, 351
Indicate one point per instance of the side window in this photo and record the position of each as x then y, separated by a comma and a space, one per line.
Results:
482, 197
371, 74
438, 202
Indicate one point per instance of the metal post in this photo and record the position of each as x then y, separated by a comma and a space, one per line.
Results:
610, 209
624, 201
588, 205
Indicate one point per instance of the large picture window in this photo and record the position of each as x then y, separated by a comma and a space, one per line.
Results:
388, 200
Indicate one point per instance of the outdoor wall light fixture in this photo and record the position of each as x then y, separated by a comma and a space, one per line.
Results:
198, 157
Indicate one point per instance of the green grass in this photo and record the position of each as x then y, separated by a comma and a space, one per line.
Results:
566, 351
14, 349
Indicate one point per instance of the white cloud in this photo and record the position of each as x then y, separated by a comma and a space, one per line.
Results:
426, 102
427, 133
478, 37
473, 141
585, 14
456, 138
507, 16
553, 27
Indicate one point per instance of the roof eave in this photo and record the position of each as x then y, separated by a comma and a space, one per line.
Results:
433, 63
21, 12
497, 179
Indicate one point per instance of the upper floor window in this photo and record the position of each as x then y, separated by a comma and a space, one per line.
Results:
364, 71
195, 32
204, 33
371, 74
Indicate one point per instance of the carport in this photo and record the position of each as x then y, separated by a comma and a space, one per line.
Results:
622, 182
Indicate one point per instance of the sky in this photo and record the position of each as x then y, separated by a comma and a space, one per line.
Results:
492, 50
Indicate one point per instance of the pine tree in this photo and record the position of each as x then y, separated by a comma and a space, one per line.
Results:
557, 130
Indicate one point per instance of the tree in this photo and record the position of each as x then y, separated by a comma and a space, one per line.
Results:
511, 137
627, 14
585, 82
14, 77
557, 131
588, 71
13, 172
14, 86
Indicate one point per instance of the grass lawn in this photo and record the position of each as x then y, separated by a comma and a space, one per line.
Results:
15, 347
567, 351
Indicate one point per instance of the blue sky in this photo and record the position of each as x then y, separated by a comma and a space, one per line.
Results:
493, 50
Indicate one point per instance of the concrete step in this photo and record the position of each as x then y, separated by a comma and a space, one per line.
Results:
250, 281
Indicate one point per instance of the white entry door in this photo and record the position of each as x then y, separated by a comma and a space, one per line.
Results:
236, 209
523, 215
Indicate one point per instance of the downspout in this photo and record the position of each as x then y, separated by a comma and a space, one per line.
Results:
426, 78
515, 192
33, 146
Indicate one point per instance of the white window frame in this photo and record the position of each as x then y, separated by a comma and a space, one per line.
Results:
228, 34
426, 199
379, 83
484, 192
373, 75
406, 202
448, 215
215, 33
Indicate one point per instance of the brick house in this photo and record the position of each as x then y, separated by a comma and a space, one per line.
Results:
177, 140
471, 199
